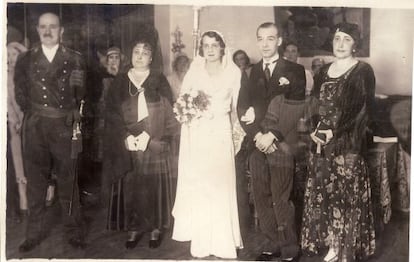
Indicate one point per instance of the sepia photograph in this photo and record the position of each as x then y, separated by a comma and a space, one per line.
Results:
195, 130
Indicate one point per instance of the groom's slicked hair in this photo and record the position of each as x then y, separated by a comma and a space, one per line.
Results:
271, 24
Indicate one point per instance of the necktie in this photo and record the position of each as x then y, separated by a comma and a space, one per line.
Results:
267, 72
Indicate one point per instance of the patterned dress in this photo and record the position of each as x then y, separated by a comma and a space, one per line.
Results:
337, 204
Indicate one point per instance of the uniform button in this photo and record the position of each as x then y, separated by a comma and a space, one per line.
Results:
44, 88
63, 89
62, 97
43, 79
45, 96
65, 62
45, 105
38, 70
64, 79
64, 71
60, 106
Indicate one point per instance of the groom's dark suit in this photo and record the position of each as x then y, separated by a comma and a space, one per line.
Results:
272, 173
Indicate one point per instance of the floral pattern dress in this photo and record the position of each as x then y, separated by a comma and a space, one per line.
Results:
337, 203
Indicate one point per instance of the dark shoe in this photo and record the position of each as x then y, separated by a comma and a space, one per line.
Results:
268, 256
28, 244
130, 244
156, 239
289, 253
133, 238
77, 242
289, 259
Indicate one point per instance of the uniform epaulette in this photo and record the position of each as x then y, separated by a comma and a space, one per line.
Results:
64, 49
24, 54
35, 49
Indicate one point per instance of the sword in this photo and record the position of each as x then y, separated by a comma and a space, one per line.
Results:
76, 148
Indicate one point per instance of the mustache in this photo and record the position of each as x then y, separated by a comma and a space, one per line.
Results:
47, 35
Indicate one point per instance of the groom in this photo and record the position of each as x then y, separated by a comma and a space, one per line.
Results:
271, 168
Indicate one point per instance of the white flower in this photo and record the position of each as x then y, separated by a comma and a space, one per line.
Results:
181, 103
283, 81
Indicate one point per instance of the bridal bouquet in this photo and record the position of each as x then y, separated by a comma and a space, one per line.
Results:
190, 106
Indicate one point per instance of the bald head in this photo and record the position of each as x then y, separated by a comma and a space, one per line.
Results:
49, 29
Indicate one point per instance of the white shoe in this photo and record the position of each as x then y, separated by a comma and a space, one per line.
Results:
331, 256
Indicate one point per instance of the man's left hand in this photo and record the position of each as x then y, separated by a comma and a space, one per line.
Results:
76, 78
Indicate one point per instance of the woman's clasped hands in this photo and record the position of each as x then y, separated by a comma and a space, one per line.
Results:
135, 143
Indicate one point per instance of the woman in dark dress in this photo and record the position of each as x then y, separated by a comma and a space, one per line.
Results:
139, 126
338, 214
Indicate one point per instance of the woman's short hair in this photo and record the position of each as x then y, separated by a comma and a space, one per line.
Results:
218, 38
147, 44
238, 52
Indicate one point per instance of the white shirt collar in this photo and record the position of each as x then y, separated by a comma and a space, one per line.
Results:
271, 61
50, 52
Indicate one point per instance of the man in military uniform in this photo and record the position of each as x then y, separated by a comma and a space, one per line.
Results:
49, 85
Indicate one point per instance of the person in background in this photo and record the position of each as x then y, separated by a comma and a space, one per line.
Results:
100, 76
180, 67
291, 53
272, 181
15, 120
338, 210
242, 60
139, 126
113, 65
49, 87
317, 64
113, 60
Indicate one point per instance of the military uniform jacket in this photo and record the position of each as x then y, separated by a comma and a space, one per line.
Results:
40, 84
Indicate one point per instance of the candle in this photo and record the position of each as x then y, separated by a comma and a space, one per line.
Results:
195, 26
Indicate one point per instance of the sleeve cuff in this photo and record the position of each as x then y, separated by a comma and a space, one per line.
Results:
278, 136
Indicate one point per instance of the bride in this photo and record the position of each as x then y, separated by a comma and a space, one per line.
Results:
205, 209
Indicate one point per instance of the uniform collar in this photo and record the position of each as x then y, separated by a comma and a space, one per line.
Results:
50, 52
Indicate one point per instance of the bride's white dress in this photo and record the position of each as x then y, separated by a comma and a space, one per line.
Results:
205, 208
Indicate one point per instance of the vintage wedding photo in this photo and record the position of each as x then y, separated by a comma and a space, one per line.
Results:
192, 131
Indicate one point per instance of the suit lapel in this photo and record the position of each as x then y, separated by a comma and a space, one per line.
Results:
257, 77
278, 72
